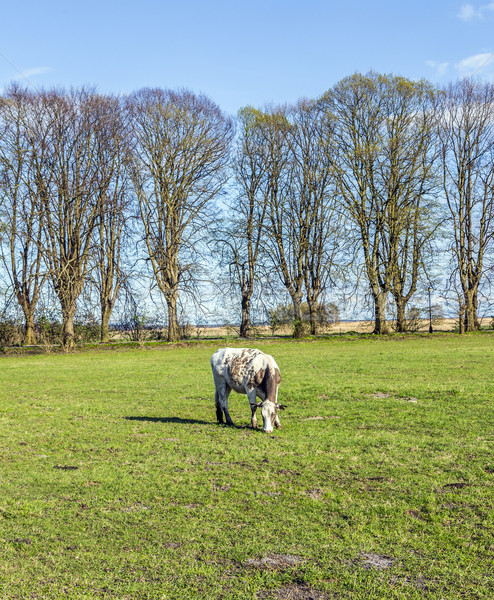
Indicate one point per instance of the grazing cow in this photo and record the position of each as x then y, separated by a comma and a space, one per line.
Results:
247, 371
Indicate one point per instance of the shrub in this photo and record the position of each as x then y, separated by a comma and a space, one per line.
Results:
413, 319
418, 318
326, 315
11, 333
48, 331
135, 328
274, 321
87, 329
186, 331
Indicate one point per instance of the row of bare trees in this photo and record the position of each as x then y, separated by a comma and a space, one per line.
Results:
84, 176
383, 178
374, 183
285, 217
64, 198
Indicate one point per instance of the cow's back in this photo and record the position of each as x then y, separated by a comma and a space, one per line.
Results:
237, 366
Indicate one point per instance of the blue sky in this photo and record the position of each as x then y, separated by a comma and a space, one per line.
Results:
241, 53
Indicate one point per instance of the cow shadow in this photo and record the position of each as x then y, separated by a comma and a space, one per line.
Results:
176, 420
179, 421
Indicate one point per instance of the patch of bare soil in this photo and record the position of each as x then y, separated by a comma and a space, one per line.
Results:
415, 514
315, 494
317, 418
293, 591
275, 561
221, 488
135, 508
172, 545
459, 485
384, 395
376, 561
420, 583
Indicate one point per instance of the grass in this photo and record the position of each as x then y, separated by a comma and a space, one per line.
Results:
116, 482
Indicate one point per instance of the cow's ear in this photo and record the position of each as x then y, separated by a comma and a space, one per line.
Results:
282, 406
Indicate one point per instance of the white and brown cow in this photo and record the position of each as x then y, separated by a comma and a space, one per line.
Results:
247, 371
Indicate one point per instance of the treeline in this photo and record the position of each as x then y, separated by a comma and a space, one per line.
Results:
379, 183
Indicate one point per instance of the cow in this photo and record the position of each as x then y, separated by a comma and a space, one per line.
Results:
247, 371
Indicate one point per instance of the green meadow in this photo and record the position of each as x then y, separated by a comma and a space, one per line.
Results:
116, 481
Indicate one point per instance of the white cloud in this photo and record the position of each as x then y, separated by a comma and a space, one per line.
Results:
475, 63
23, 75
439, 68
32, 72
468, 12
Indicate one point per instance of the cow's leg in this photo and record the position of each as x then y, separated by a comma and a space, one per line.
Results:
219, 410
221, 398
251, 395
277, 423
253, 408
228, 389
227, 416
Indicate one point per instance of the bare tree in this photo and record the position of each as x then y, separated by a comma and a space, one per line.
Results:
180, 152
23, 179
467, 137
78, 183
241, 243
114, 213
320, 224
286, 209
383, 133
408, 185
286, 239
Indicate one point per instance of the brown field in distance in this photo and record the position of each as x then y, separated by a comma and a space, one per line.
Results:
341, 327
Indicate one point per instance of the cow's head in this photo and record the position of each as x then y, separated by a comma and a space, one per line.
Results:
269, 411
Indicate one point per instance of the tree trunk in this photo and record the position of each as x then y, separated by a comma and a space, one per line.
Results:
245, 326
27, 307
68, 334
173, 332
313, 323
312, 304
470, 311
380, 325
105, 318
401, 323
475, 301
29, 334
461, 320
298, 324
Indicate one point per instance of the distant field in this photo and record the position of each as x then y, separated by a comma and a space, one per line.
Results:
116, 482
341, 327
